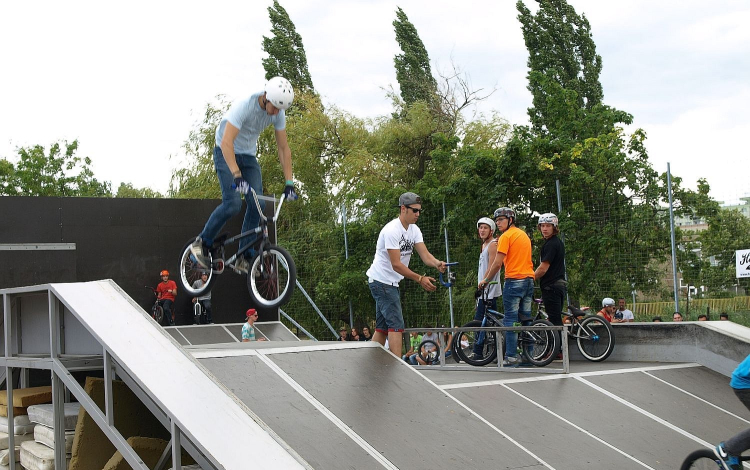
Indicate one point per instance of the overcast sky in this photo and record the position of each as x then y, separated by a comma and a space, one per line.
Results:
129, 80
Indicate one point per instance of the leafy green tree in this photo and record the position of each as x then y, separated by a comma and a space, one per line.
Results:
126, 190
413, 70
728, 231
197, 178
286, 53
58, 172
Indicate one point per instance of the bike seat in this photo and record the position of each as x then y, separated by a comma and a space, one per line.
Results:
221, 239
573, 311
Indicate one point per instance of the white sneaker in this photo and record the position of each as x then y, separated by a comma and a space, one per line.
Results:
200, 253
511, 361
241, 265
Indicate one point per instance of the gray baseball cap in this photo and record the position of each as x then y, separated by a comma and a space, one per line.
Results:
408, 199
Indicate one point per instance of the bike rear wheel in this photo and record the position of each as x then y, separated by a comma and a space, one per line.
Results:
487, 342
595, 338
703, 459
190, 271
272, 277
540, 347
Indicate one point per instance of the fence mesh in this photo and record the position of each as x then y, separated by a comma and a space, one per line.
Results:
627, 254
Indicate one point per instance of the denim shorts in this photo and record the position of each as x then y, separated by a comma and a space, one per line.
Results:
388, 316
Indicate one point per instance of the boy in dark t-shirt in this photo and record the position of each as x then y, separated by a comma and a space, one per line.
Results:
551, 271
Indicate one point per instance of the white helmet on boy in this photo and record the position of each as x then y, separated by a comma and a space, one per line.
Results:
548, 218
279, 92
489, 222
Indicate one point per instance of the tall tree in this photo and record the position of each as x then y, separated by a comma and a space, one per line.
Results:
59, 172
286, 54
413, 70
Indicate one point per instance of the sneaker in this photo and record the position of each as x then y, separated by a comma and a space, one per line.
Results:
728, 462
511, 361
200, 252
241, 265
475, 357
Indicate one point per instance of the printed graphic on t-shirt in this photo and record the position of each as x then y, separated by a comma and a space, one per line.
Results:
406, 246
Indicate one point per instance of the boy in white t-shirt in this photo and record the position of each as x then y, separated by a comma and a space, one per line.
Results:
396, 242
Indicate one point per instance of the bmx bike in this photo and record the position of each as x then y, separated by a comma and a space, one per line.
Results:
537, 346
157, 311
593, 334
271, 276
704, 459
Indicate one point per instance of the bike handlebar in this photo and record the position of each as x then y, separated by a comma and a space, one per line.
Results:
451, 276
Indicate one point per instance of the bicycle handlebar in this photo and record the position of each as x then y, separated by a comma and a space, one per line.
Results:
451, 276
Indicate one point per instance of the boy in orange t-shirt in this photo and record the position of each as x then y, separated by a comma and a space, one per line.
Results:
513, 250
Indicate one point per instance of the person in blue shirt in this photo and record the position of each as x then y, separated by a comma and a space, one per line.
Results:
729, 451
235, 159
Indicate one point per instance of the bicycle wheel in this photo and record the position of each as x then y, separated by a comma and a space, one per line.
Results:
540, 347
485, 342
191, 270
197, 311
429, 357
157, 313
595, 338
272, 277
703, 459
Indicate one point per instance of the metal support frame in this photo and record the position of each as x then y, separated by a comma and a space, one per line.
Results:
64, 384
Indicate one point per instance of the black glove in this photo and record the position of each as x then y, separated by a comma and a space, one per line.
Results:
289, 193
240, 185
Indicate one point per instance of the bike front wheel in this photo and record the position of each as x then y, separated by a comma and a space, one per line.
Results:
272, 277
469, 342
191, 270
595, 338
157, 313
540, 346
703, 459
433, 355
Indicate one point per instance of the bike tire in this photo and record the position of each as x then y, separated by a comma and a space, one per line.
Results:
272, 277
197, 312
431, 357
489, 346
595, 338
540, 347
157, 313
703, 459
190, 271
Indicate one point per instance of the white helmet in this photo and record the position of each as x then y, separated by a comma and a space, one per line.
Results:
548, 218
279, 92
489, 222
608, 302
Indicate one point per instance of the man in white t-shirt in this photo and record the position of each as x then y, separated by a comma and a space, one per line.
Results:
622, 315
396, 242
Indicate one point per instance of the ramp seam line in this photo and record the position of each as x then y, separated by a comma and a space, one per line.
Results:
565, 420
359, 440
566, 376
697, 397
648, 414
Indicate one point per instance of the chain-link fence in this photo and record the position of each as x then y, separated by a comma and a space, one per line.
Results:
614, 249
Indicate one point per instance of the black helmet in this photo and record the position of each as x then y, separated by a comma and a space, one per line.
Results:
504, 212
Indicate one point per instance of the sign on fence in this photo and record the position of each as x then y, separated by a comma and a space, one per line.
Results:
743, 263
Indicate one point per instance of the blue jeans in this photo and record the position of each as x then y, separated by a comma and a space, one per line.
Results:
388, 316
479, 316
517, 297
231, 201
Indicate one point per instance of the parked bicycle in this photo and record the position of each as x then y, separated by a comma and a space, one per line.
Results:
157, 311
704, 459
479, 348
272, 273
593, 334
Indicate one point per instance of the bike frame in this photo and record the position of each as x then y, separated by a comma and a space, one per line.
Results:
259, 242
